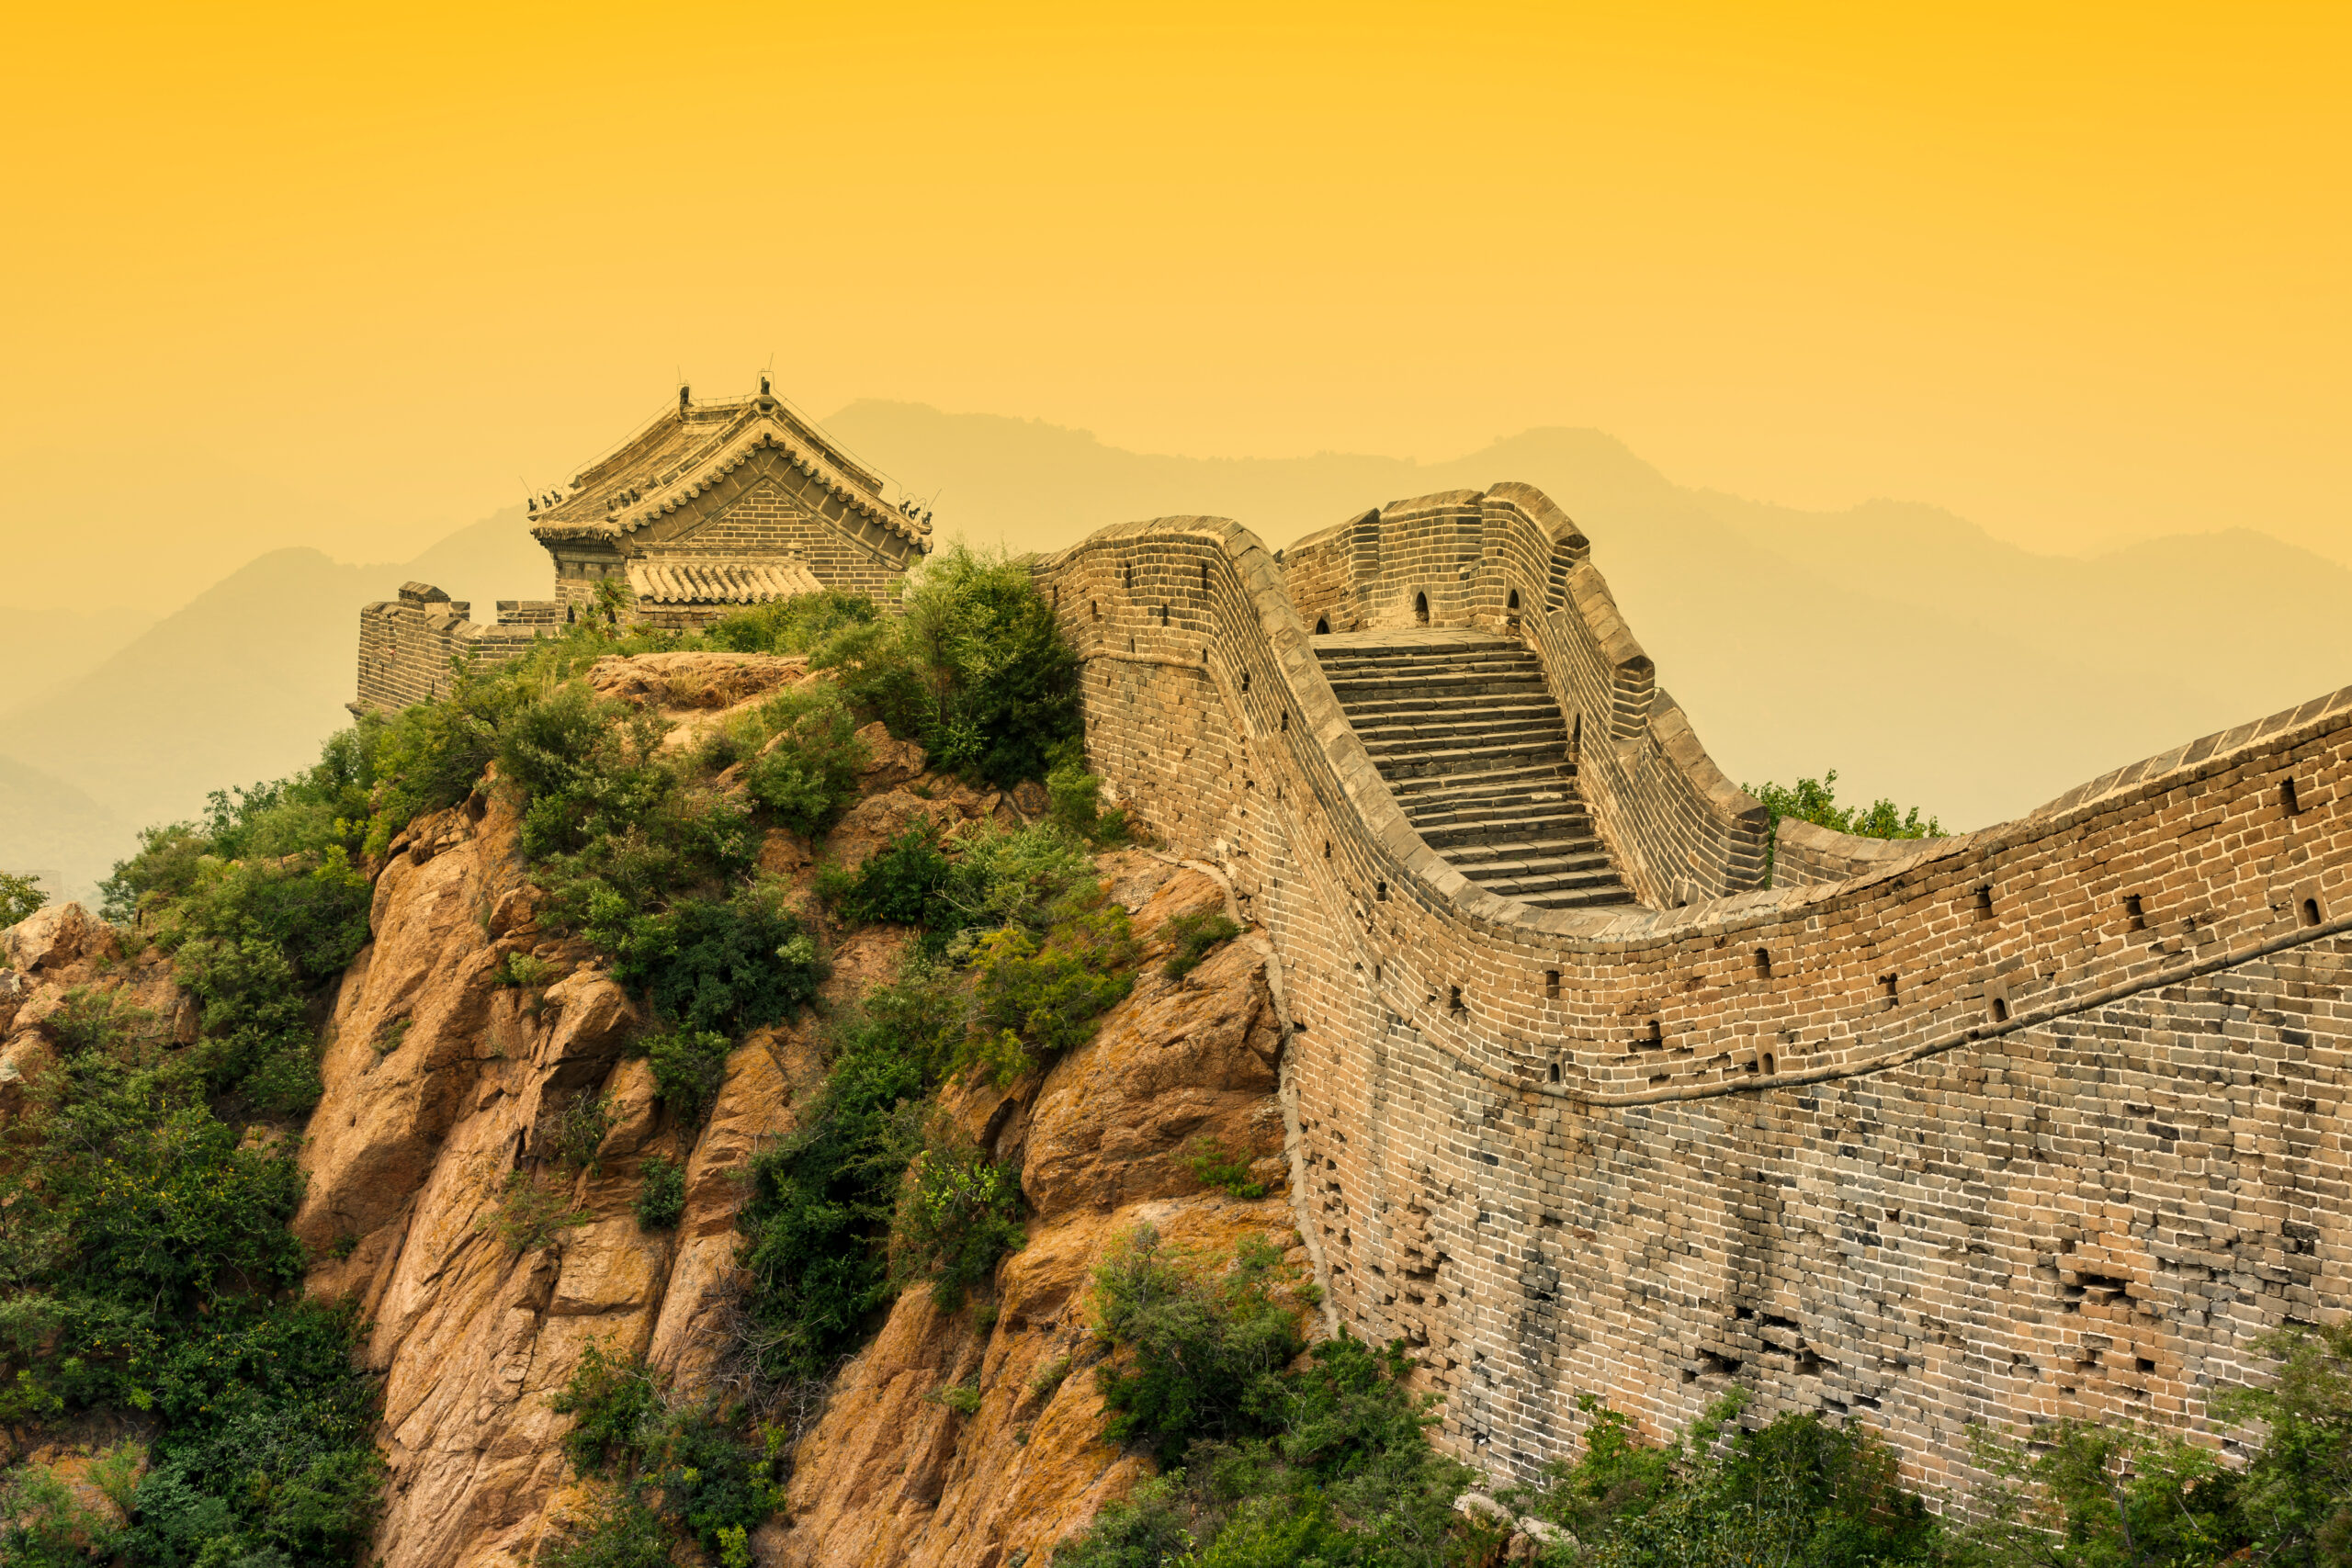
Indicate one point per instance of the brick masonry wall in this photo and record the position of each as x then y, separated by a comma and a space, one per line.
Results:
407, 645
2031, 1121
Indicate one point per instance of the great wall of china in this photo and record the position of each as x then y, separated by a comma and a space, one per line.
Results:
1596, 1088
2040, 1120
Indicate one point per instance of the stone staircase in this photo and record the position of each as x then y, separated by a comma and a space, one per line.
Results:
1462, 725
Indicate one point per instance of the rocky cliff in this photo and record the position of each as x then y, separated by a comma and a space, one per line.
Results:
444, 1078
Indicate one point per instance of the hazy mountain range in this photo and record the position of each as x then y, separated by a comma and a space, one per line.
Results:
1892, 641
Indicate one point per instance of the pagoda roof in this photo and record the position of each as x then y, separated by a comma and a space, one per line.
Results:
690, 448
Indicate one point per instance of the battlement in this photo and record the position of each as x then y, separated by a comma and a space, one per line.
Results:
2031, 1121
408, 646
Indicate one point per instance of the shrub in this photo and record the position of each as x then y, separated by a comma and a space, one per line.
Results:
1815, 801
527, 970
19, 897
721, 964
1050, 1378
807, 774
1796, 1490
816, 1224
581, 1131
976, 669
1201, 1350
662, 1199
1034, 998
1325, 1462
689, 1069
1213, 1165
957, 1214
962, 1398
903, 882
44, 1524
618, 1530
254, 940
799, 625
613, 1405
1193, 936
680, 1464
527, 1215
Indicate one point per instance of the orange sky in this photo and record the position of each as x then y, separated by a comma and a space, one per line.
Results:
2076, 272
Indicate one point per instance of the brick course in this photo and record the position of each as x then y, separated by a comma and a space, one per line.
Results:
2037, 1120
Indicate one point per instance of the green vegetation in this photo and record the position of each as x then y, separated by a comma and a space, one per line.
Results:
145, 1264
1213, 1165
1815, 801
528, 1213
661, 1198
19, 897
1796, 1491
1074, 800
807, 774
676, 1471
1024, 952
689, 1067
958, 1212
1194, 936
1269, 1463
144, 1260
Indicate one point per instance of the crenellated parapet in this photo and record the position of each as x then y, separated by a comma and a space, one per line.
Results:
409, 646
2035, 1119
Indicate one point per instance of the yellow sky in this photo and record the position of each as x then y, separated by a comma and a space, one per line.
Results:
2076, 272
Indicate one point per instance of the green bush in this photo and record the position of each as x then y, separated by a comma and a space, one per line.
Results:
662, 1199
976, 670
1213, 1165
903, 882
527, 1215
685, 1466
581, 1131
689, 1069
958, 1214
1202, 1350
256, 942
616, 1529
614, 1406
1325, 1462
1796, 1490
799, 625
807, 774
147, 1266
721, 965
1815, 801
815, 1224
1034, 998
19, 897
1194, 936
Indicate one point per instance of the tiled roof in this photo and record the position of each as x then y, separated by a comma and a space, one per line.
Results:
688, 449
708, 580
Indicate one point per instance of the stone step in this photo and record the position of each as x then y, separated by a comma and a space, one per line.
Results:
1452, 687
1532, 704
1530, 855
1468, 834
1435, 729
1430, 761
1471, 742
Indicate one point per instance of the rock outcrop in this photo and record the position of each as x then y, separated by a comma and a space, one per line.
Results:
892, 1473
445, 1080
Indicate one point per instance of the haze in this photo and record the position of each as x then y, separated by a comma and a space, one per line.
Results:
352, 279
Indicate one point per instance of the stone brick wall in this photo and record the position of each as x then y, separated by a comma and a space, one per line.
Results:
406, 645
2035, 1119
1510, 561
